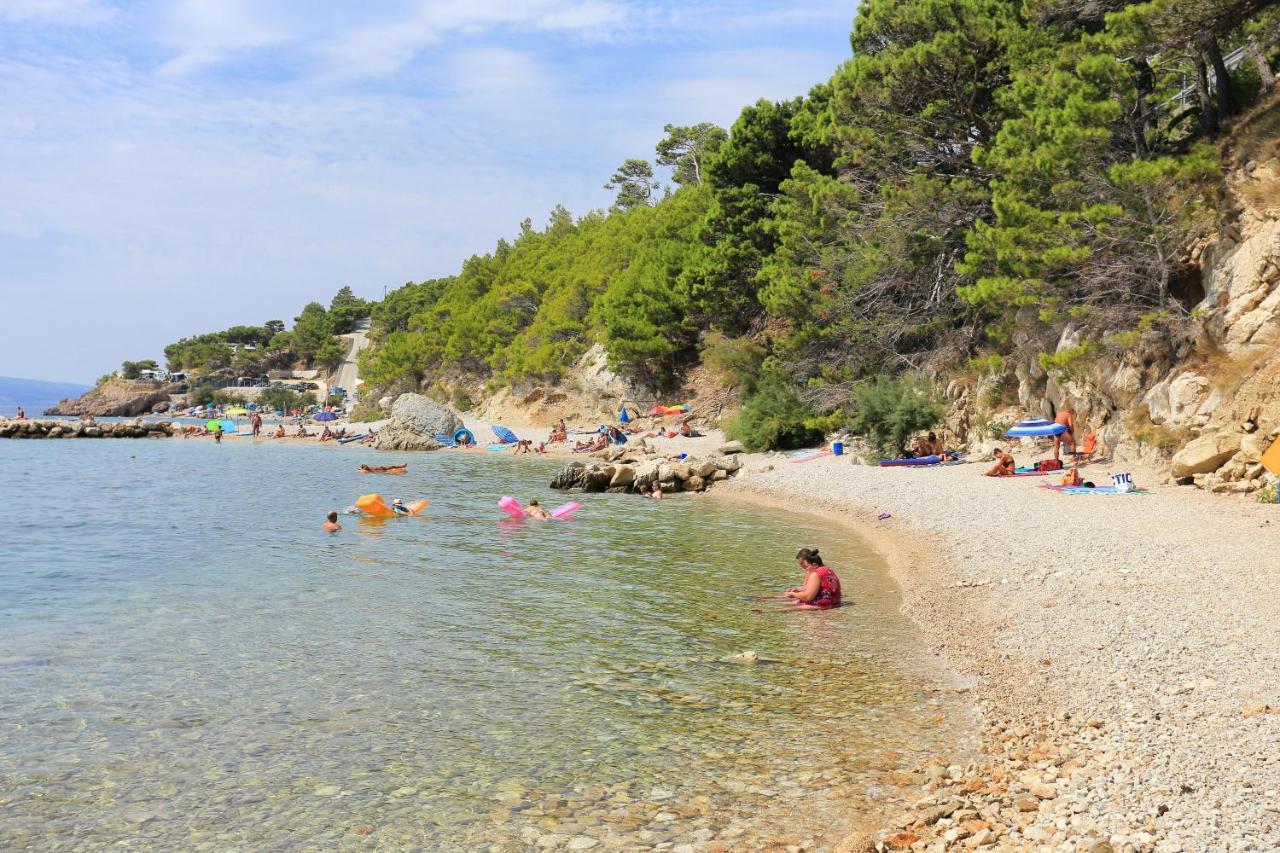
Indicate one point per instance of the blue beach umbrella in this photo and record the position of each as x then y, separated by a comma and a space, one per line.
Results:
326, 416
1035, 428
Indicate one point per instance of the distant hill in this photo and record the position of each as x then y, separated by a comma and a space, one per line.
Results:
33, 395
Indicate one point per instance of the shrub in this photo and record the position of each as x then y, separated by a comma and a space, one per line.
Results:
283, 399
887, 411
772, 416
462, 400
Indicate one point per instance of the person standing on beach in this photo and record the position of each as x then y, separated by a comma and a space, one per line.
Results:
217, 434
821, 590
256, 420
1066, 418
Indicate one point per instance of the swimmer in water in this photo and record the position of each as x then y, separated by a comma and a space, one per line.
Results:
398, 507
534, 510
331, 524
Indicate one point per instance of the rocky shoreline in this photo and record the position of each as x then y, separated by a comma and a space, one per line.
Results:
630, 467
38, 429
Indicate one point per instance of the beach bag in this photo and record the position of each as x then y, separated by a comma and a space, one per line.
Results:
1071, 478
1049, 465
1123, 482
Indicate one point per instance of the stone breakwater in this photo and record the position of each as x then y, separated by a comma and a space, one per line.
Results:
629, 468
80, 429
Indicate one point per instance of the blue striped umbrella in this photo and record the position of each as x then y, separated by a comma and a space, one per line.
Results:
1035, 428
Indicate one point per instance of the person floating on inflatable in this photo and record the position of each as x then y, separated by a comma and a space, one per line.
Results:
536, 511
331, 524
821, 590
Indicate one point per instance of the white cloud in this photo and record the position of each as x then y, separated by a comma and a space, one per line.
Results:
58, 12
207, 32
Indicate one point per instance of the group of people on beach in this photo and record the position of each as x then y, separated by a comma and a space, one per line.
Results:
1005, 466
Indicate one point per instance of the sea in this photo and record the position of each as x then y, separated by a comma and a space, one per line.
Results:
188, 662
34, 395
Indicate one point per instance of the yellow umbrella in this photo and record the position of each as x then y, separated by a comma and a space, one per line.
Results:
237, 411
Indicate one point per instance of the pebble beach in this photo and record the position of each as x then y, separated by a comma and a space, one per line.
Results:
1124, 649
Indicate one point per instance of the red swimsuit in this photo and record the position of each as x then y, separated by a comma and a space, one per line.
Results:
828, 589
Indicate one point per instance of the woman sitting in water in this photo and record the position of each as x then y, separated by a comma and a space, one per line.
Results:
821, 590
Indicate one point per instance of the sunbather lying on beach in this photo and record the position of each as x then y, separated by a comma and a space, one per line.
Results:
1004, 466
600, 443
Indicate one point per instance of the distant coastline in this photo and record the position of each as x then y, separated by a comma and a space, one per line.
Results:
34, 395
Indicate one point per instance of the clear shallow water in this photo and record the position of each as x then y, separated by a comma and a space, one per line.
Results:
186, 661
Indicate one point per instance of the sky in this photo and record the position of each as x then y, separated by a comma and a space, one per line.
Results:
171, 167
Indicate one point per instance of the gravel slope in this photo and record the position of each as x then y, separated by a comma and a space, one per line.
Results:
1156, 619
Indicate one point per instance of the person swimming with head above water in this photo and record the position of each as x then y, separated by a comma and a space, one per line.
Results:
535, 510
821, 589
331, 524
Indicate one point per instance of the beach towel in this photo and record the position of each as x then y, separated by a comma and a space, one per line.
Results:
808, 455
498, 447
1100, 490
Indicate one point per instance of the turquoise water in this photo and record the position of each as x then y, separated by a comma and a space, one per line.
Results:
187, 662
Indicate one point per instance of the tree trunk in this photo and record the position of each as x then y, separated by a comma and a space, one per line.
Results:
1208, 111
1259, 57
1144, 82
1226, 105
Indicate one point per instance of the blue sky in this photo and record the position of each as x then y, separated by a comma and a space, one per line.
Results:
169, 167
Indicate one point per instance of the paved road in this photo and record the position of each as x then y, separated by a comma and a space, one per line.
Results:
348, 375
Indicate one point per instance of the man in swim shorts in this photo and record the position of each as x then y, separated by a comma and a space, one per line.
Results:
1068, 419
331, 524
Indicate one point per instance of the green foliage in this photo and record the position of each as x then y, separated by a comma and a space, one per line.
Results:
685, 150
887, 411
345, 310
736, 361
1069, 363
331, 354
133, 369
311, 330
462, 400
635, 184
773, 417
279, 399
1268, 494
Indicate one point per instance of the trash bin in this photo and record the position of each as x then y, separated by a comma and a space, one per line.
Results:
837, 448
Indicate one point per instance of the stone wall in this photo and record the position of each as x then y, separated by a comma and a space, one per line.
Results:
38, 429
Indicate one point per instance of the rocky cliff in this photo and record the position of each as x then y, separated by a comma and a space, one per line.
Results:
115, 398
1205, 402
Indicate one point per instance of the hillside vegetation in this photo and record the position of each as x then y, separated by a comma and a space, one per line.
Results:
979, 177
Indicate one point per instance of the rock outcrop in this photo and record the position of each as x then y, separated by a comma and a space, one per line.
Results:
632, 467
80, 429
415, 422
114, 398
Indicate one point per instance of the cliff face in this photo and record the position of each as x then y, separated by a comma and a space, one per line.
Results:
114, 398
1207, 405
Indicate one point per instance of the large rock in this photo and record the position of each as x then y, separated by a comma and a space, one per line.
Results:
1206, 453
415, 422
114, 398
